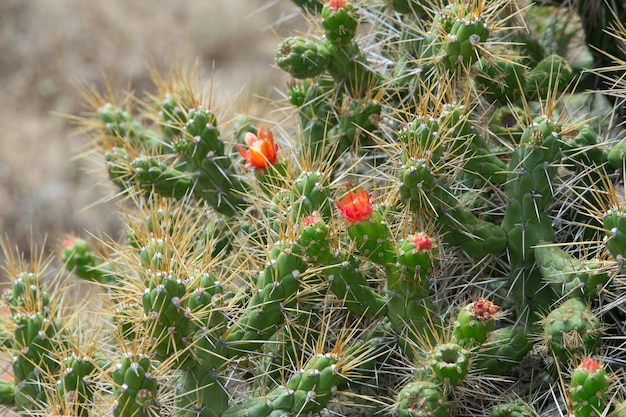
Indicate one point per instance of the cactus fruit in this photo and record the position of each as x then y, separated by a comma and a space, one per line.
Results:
589, 388
571, 330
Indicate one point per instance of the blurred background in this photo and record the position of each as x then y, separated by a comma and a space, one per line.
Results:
48, 48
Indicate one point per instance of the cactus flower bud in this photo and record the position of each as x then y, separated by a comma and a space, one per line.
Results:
355, 206
422, 242
337, 4
262, 151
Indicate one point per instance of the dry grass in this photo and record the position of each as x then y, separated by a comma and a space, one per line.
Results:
48, 47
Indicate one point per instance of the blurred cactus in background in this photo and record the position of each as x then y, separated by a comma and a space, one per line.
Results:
436, 229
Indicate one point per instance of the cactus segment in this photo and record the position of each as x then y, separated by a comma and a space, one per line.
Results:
159, 177
310, 195
314, 241
76, 387
568, 276
589, 389
571, 330
135, 387
550, 75
421, 399
118, 124
349, 284
461, 48
7, 392
372, 239
422, 138
502, 80
614, 222
339, 23
450, 363
275, 290
474, 322
513, 409
201, 394
503, 350
302, 58
530, 183
307, 391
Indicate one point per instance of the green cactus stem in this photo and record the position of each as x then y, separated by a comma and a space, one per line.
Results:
503, 350
614, 222
450, 363
569, 276
135, 387
274, 291
530, 183
339, 20
366, 227
589, 389
302, 58
571, 330
513, 409
551, 75
408, 287
474, 322
121, 126
7, 392
82, 261
421, 399
310, 195
76, 386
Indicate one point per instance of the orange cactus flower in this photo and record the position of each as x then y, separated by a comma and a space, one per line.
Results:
337, 4
356, 206
422, 242
262, 151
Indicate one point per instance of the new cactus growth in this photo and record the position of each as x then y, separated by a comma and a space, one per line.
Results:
589, 388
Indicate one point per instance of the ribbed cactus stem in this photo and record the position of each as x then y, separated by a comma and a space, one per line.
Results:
306, 392
474, 322
571, 330
275, 289
589, 388
135, 387
530, 184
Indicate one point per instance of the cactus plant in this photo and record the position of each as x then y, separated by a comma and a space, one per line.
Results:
431, 221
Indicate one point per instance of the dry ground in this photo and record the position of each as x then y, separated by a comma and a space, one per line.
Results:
49, 47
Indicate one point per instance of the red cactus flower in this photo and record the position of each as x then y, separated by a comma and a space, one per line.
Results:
262, 151
337, 4
355, 206
484, 310
422, 242
590, 365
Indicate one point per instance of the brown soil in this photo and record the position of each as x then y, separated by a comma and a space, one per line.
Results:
49, 47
